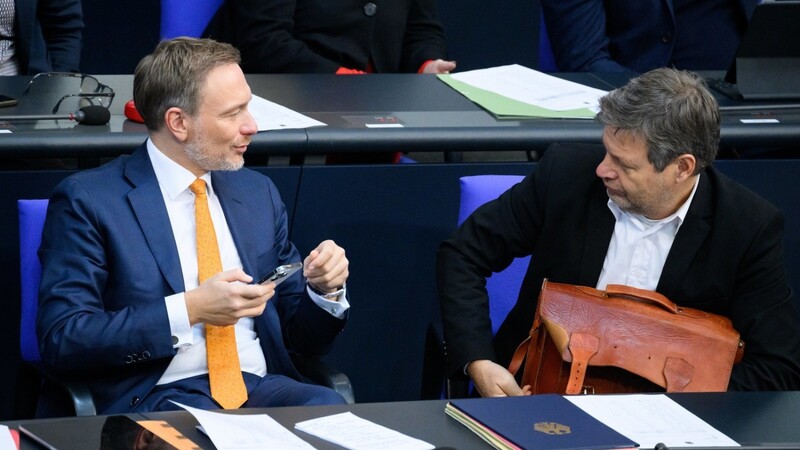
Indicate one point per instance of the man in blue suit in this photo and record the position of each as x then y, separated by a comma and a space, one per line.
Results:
40, 36
120, 302
640, 35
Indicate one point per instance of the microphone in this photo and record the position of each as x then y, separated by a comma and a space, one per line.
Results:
88, 115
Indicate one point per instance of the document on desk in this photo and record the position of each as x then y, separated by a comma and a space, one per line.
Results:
652, 419
272, 116
517, 92
352, 432
246, 432
7, 441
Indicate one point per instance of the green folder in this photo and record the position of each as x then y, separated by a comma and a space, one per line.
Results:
505, 108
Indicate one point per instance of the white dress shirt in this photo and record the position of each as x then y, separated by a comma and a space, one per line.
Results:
190, 341
639, 246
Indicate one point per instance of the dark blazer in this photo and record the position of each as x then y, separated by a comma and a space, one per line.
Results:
109, 259
726, 259
48, 35
628, 35
319, 36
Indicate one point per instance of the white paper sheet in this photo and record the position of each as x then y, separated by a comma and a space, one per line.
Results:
533, 87
650, 419
272, 116
246, 432
350, 431
6, 441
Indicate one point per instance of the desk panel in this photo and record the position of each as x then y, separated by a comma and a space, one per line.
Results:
435, 118
749, 417
425, 420
764, 419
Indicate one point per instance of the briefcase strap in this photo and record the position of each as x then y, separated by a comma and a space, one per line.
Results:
519, 356
582, 347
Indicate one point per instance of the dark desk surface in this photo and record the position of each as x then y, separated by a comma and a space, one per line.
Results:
746, 417
434, 118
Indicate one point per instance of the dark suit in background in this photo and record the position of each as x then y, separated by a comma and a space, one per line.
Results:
109, 258
320, 36
640, 35
727, 258
48, 35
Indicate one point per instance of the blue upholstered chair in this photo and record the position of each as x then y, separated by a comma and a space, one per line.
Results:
186, 17
503, 287
51, 401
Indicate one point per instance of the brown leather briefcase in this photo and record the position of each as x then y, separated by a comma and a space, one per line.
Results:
624, 339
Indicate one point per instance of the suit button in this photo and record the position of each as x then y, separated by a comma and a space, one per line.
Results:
146, 355
370, 9
128, 359
666, 38
135, 400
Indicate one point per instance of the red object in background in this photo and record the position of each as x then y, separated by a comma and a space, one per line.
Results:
14, 436
131, 112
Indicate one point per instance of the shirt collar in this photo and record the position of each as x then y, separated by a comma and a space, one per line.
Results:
173, 178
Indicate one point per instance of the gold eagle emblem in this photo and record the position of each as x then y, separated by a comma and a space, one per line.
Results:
551, 428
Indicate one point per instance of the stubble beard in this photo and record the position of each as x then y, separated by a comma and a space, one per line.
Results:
210, 161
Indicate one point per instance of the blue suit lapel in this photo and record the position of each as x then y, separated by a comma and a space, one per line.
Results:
671, 8
234, 204
148, 206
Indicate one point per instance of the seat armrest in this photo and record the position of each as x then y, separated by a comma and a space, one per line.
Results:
77, 392
437, 383
81, 397
320, 373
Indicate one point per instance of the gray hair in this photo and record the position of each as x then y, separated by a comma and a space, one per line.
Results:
671, 110
173, 76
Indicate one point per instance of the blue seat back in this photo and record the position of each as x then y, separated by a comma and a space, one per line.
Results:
186, 17
503, 287
31, 221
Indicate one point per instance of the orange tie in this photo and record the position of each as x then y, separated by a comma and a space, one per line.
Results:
224, 371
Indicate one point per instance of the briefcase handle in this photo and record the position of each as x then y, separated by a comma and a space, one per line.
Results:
642, 294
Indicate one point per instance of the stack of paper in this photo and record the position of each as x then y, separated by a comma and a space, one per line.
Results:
517, 92
651, 419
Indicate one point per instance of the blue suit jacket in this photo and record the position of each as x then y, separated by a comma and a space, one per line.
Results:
623, 35
109, 258
48, 35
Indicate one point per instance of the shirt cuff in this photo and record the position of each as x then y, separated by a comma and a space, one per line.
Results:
179, 324
334, 308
